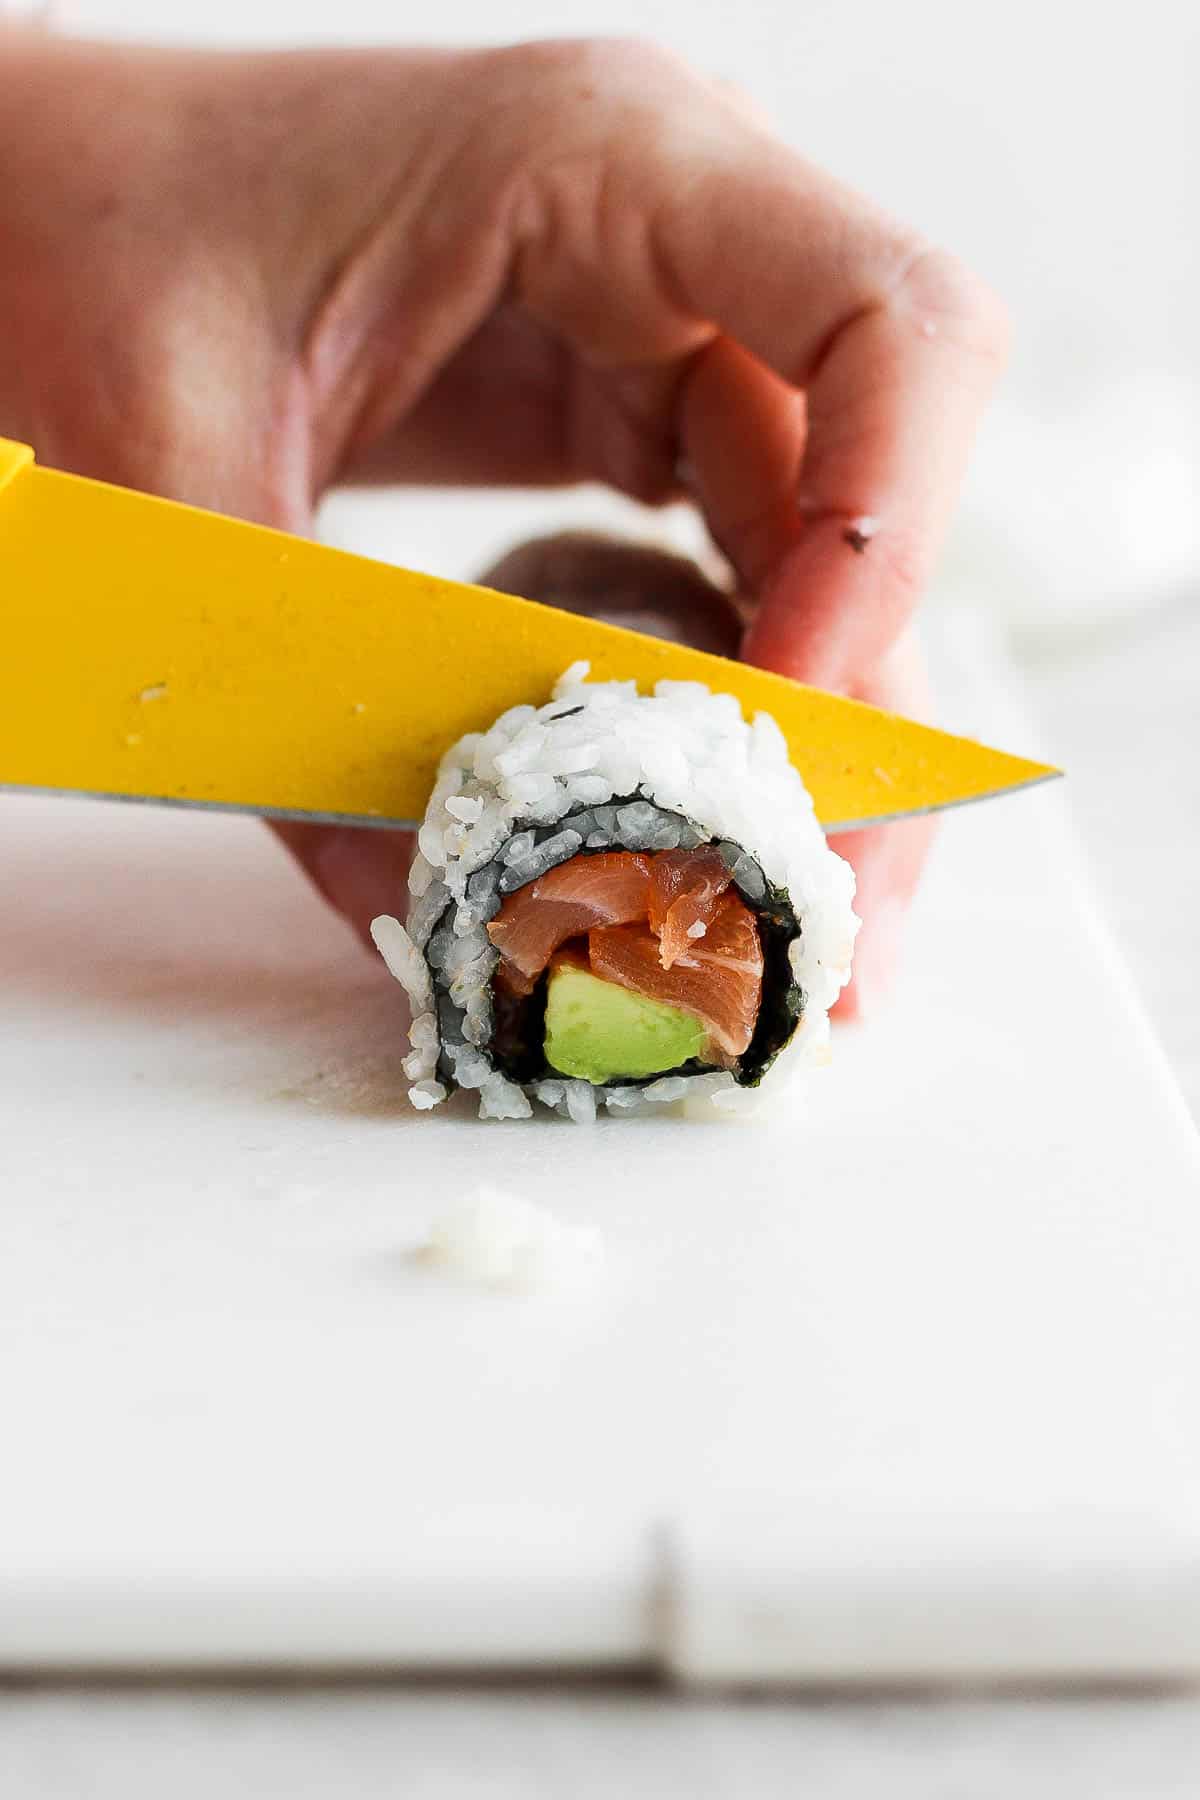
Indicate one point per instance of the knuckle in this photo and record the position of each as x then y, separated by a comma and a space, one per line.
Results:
944, 293
744, 104
624, 62
595, 68
589, 124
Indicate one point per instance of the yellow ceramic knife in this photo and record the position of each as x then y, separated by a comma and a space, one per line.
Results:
152, 651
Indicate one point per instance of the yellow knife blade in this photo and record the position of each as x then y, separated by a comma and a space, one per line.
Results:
153, 651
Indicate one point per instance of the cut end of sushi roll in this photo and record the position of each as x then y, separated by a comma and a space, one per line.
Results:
621, 899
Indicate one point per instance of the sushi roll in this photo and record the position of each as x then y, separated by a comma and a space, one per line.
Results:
618, 899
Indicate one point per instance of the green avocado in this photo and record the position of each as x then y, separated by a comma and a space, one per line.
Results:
596, 1030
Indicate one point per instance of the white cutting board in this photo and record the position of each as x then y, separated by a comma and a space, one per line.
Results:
903, 1390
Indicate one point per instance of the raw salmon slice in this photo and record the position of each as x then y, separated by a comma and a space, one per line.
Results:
610, 888
718, 979
685, 886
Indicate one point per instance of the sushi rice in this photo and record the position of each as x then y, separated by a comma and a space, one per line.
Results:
599, 767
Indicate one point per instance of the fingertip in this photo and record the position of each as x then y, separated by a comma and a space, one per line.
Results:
360, 873
837, 601
888, 862
876, 962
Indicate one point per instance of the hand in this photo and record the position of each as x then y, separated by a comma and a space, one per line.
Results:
237, 280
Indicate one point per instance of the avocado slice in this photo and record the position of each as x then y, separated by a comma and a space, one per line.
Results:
596, 1030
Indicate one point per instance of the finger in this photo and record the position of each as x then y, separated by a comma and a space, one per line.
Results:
832, 507
742, 432
888, 863
892, 411
699, 227
889, 860
361, 873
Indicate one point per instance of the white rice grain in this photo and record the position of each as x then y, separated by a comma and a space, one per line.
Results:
503, 1240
